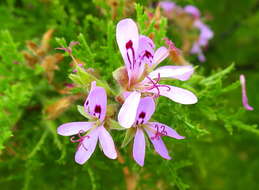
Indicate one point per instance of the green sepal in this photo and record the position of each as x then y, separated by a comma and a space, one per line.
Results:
115, 125
83, 113
130, 133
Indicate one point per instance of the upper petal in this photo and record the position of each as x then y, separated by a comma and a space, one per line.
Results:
107, 143
128, 111
74, 128
96, 102
176, 94
127, 37
244, 96
145, 110
166, 130
160, 54
139, 147
182, 73
145, 53
158, 144
87, 147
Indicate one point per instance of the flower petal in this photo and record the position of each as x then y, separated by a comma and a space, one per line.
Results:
139, 147
87, 147
74, 128
96, 102
176, 94
145, 53
160, 54
167, 131
145, 110
244, 96
194, 11
159, 145
107, 143
167, 5
127, 37
128, 111
182, 73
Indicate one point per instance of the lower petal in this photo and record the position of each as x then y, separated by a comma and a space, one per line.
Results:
87, 147
139, 147
176, 94
159, 145
107, 143
128, 111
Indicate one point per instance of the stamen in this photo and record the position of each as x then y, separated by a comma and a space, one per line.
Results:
156, 85
159, 134
80, 140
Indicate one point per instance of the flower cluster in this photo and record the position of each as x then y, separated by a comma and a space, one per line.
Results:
173, 11
140, 84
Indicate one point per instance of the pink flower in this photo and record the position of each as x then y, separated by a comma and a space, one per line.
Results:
140, 59
167, 5
89, 132
244, 96
205, 32
154, 130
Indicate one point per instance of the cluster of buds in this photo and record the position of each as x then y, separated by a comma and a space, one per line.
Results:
140, 86
189, 18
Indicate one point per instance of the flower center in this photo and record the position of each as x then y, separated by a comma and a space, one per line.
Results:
160, 133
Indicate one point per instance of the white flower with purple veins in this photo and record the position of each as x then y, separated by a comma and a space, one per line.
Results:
205, 32
140, 59
89, 132
154, 130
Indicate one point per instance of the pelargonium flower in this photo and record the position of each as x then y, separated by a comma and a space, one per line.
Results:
170, 8
89, 132
205, 32
154, 130
140, 59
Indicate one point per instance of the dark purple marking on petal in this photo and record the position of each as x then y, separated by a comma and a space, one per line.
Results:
129, 47
87, 102
98, 110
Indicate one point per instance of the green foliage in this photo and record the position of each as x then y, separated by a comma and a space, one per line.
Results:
221, 141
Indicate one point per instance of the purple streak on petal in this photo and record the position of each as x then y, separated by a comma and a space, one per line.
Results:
244, 96
167, 5
146, 108
139, 147
107, 143
158, 144
176, 94
127, 37
182, 73
87, 147
160, 54
164, 129
73, 128
96, 102
194, 11
128, 111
